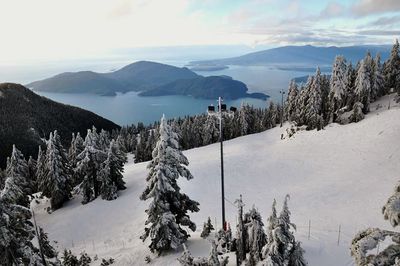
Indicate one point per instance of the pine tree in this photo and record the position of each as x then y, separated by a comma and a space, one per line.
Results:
55, 183
313, 108
18, 172
117, 158
210, 130
357, 114
338, 86
240, 234
89, 161
169, 207
290, 106
350, 83
363, 86
392, 69
207, 228
32, 164
256, 235
282, 247
108, 189
378, 86
370, 238
77, 146
16, 231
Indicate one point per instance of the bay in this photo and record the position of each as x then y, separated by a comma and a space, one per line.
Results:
129, 108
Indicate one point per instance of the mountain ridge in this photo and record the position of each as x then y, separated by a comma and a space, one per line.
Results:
306, 55
26, 118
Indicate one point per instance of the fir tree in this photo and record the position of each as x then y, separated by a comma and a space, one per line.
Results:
16, 231
18, 172
77, 146
357, 114
338, 85
207, 228
392, 69
89, 161
55, 183
282, 248
240, 234
369, 239
168, 209
363, 86
256, 236
290, 106
313, 110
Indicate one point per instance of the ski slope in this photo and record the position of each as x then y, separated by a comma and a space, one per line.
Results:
340, 176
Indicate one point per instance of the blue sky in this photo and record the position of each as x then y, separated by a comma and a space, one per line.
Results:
67, 29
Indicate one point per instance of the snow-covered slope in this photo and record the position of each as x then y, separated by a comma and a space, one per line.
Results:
338, 176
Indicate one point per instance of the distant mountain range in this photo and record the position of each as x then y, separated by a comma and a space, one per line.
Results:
298, 56
26, 118
151, 78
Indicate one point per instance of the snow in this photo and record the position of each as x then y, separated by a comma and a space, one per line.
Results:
340, 176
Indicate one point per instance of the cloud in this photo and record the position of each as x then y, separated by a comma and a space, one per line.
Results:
369, 7
380, 32
385, 21
333, 9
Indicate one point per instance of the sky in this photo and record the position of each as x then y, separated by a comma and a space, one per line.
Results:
52, 30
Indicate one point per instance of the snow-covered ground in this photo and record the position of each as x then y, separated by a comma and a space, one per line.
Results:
340, 176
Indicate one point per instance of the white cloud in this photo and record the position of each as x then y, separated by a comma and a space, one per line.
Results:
55, 29
369, 7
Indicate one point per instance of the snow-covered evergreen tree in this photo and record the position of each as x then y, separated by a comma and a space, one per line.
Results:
240, 234
313, 108
168, 210
256, 235
207, 228
32, 164
55, 182
108, 189
117, 158
392, 68
17, 172
338, 85
210, 130
377, 86
291, 101
363, 86
357, 114
77, 146
89, 161
350, 83
282, 247
16, 229
369, 239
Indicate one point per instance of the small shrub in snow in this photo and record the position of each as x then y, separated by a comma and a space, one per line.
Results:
207, 228
369, 239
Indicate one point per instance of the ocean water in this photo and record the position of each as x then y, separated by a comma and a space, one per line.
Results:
129, 108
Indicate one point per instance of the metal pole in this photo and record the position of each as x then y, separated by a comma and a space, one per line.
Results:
222, 164
338, 239
309, 229
282, 92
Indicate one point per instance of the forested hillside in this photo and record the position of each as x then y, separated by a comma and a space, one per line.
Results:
26, 118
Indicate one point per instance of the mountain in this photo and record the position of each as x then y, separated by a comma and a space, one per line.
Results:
143, 75
330, 185
138, 76
205, 87
26, 117
79, 82
299, 56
